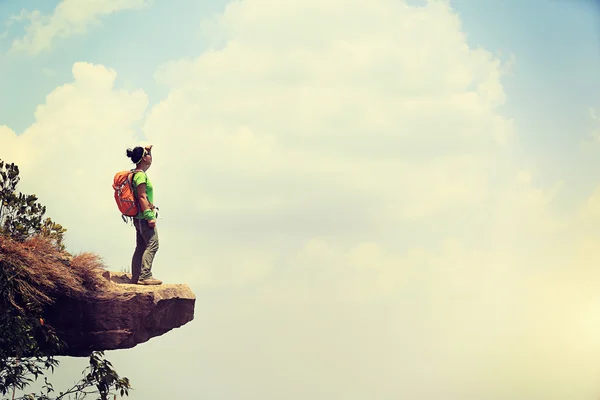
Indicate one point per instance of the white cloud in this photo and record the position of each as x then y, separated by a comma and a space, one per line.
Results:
361, 106
345, 201
77, 142
70, 17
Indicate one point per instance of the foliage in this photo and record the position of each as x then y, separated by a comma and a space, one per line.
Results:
99, 377
54, 232
21, 215
33, 269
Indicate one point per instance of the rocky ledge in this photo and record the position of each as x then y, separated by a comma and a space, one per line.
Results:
121, 316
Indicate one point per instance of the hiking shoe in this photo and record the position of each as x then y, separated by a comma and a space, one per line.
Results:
149, 281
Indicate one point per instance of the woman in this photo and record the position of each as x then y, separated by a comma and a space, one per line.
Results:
145, 221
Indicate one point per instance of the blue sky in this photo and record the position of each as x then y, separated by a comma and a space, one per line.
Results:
364, 188
132, 42
553, 41
555, 79
154, 40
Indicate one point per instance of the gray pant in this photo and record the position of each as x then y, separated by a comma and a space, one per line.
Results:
146, 247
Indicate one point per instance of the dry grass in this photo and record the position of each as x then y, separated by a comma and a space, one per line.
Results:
40, 272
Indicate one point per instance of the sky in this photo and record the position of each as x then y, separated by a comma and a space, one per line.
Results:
370, 200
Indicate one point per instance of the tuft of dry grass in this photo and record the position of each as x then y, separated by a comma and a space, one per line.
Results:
39, 272
89, 267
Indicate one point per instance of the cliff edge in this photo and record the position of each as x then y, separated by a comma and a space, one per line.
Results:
120, 316
89, 307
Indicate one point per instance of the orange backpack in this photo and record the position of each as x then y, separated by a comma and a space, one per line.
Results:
125, 194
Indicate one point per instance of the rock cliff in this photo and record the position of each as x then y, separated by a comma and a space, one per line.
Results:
89, 307
120, 316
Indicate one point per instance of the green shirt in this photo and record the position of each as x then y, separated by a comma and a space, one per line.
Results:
139, 178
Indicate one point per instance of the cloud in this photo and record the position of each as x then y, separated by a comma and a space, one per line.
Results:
373, 147
349, 103
69, 18
80, 135
346, 202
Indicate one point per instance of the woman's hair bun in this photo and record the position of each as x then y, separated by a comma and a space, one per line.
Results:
135, 154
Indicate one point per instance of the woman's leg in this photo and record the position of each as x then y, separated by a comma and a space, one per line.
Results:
140, 248
150, 236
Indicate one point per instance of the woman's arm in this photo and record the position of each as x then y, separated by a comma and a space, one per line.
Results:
144, 203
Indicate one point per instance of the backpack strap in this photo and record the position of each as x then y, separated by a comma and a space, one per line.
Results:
133, 172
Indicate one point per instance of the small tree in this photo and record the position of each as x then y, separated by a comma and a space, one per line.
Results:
27, 344
21, 215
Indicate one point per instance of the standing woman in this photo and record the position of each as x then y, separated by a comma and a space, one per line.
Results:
145, 221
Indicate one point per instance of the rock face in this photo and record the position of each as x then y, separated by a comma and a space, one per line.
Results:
120, 317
